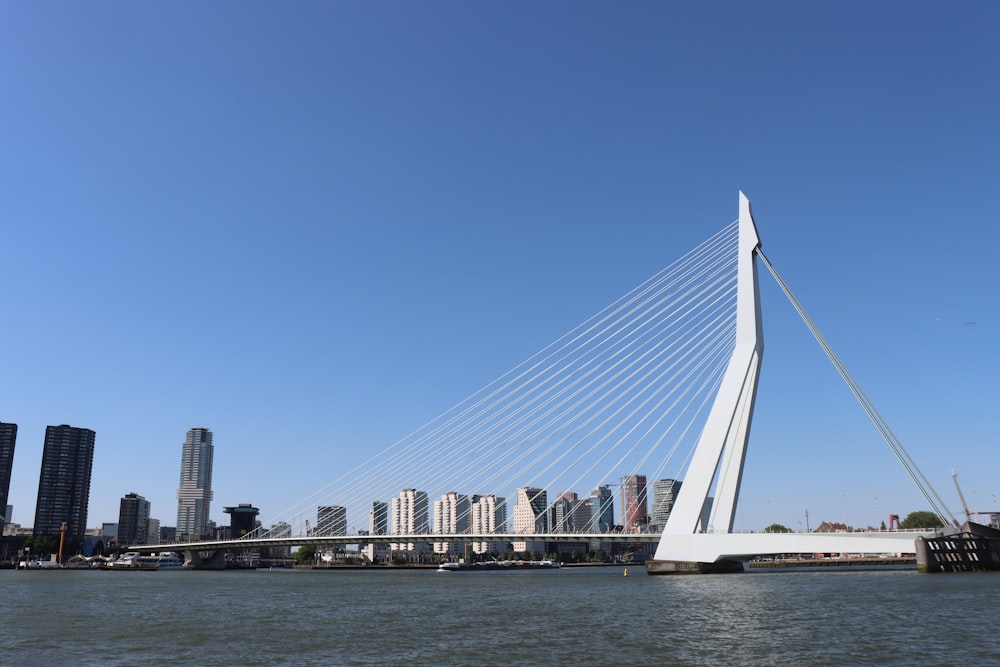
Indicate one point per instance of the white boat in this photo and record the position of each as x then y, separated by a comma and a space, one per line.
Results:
127, 561
501, 565
167, 560
38, 564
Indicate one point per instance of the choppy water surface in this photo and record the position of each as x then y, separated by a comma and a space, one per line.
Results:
565, 617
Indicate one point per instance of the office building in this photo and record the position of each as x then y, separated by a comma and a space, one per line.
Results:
278, 530
664, 496
331, 520
597, 515
561, 512
194, 496
153, 531
635, 516
242, 519
8, 438
378, 518
64, 481
133, 520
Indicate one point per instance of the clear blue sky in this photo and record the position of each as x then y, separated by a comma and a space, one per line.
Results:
314, 227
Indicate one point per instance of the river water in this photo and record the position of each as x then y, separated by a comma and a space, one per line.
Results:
593, 616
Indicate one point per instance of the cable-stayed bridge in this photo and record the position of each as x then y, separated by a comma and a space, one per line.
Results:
660, 385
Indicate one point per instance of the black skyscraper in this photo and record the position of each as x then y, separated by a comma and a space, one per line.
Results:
64, 482
8, 436
133, 520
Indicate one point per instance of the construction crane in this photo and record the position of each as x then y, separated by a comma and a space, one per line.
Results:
62, 538
968, 514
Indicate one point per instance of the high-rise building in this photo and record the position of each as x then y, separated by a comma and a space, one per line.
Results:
530, 516
194, 496
378, 524
153, 531
64, 481
378, 518
8, 438
280, 529
168, 534
561, 513
451, 515
109, 533
133, 520
409, 517
664, 496
634, 513
242, 519
489, 515
601, 517
331, 520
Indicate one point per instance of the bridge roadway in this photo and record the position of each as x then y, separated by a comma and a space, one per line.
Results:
257, 543
736, 545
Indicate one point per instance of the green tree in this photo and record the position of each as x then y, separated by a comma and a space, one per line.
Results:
777, 528
306, 554
921, 519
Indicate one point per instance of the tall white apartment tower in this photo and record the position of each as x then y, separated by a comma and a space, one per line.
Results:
489, 515
194, 496
409, 517
451, 515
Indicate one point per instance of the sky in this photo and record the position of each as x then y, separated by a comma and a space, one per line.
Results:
314, 227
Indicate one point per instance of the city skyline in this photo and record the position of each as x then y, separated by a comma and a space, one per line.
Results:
344, 234
456, 512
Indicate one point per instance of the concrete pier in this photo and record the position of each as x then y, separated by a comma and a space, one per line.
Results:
975, 549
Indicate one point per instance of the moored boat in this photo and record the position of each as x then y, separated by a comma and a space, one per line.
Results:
167, 560
129, 561
499, 565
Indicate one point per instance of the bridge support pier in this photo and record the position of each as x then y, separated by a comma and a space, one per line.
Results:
206, 560
723, 566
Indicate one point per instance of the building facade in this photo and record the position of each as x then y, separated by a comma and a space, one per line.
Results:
242, 519
601, 515
451, 515
530, 516
278, 530
489, 515
331, 520
635, 516
664, 496
133, 520
64, 481
410, 517
194, 495
153, 531
562, 512
8, 438
378, 524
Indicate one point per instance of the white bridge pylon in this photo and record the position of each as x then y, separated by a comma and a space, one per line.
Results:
700, 528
